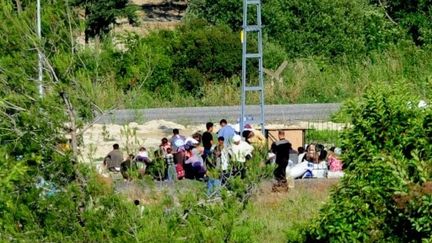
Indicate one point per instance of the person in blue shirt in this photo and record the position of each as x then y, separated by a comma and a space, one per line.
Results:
226, 131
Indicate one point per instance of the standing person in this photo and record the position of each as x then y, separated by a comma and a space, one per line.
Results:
114, 159
282, 150
207, 140
221, 155
169, 160
165, 144
226, 131
218, 152
239, 152
177, 140
177, 146
194, 166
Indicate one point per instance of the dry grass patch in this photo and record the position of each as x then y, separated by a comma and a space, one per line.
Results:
282, 215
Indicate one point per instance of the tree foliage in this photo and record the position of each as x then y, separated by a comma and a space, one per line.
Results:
304, 28
100, 15
385, 195
413, 16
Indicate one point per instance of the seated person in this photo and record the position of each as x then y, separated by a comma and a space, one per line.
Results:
320, 166
143, 156
301, 153
305, 167
114, 158
335, 163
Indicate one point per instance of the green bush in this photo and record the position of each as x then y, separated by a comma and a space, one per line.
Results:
205, 53
385, 193
413, 16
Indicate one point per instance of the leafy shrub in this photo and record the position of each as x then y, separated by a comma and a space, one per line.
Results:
205, 53
379, 119
413, 16
385, 193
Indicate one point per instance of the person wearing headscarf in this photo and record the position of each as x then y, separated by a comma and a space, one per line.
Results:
195, 165
239, 152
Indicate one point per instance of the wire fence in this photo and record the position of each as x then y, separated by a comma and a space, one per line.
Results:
324, 132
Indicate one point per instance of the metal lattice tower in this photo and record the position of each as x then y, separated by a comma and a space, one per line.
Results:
255, 27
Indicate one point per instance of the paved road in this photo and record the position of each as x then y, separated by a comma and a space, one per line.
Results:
273, 113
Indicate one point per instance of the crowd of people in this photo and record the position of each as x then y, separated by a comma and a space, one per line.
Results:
215, 157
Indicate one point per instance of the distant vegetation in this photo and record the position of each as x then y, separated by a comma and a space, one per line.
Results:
334, 49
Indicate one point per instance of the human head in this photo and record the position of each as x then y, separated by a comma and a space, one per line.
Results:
176, 131
312, 154
236, 139
300, 150
338, 151
197, 137
142, 149
221, 140
281, 134
196, 152
209, 126
321, 152
169, 150
164, 140
116, 146
223, 122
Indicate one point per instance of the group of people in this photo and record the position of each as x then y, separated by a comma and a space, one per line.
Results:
217, 156
197, 157
313, 162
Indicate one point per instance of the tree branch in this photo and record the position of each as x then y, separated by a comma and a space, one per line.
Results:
385, 11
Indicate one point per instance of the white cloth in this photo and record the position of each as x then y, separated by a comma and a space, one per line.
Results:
298, 170
224, 159
271, 157
335, 174
301, 156
195, 158
320, 170
143, 154
238, 152
191, 140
